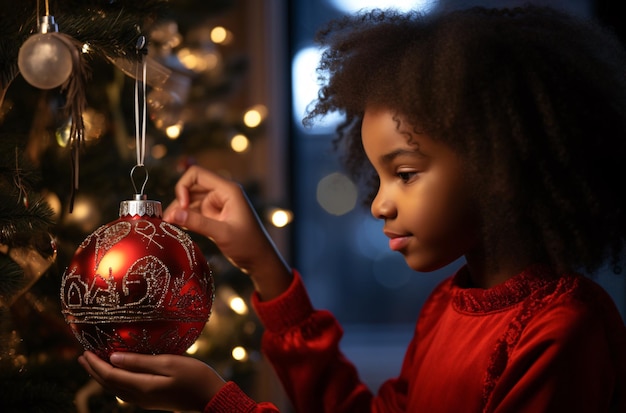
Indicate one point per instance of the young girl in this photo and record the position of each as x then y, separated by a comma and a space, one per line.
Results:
496, 135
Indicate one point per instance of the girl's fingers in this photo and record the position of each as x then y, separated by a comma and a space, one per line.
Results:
193, 179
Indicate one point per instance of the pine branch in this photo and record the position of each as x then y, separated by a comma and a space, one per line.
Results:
18, 222
110, 29
11, 278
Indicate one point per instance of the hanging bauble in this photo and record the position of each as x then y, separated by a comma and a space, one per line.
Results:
45, 58
137, 284
165, 109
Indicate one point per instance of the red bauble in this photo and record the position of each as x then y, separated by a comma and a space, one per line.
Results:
137, 284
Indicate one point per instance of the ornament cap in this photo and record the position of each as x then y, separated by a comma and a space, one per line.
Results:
141, 206
47, 24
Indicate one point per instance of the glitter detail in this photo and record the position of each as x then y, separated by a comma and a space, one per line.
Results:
107, 237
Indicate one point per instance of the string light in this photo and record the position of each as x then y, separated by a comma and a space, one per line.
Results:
239, 353
239, 143
219, 35
199, 60
193, 349
280, 217
238, 305
85, 215
158, 151
55, 204
95, 124
174, 131
254, 116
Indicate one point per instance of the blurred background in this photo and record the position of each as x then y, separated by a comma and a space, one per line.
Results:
228, 82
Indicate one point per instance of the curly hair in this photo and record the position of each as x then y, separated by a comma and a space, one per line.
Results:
532, 99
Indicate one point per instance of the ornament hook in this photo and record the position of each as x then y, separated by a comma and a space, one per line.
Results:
145, 180
140, 119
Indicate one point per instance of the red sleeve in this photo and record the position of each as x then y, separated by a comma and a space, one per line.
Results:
303, 346
231, 399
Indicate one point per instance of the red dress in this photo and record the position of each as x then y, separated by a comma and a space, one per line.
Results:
535, 343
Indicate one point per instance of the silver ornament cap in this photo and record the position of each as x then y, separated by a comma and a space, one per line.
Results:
47, 24
141, 206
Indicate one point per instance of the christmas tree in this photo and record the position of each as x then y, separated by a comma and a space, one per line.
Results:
67, 153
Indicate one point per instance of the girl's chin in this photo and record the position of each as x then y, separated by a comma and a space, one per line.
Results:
421, 265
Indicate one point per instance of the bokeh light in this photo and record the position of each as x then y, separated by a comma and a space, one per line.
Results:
174, 131
337, 194
280, 217
239, 353
158, 151
220, 35
193, 349
238, 305
239, 143
254, 116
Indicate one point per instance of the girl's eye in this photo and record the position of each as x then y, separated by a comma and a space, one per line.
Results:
406, 176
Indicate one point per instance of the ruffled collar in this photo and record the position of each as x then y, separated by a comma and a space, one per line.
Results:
502, 296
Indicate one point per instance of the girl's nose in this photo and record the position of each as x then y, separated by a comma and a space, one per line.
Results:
382, 207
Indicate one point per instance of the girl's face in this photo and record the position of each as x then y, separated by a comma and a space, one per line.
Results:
422, 196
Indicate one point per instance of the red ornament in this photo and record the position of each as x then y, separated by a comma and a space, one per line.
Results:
137, 284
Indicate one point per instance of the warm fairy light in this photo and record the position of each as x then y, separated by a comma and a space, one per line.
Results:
220, 35
193, 349
239, 353
95, 124
187, 58
174, 131
55, 204
238, 305
210, 61
86, 48
239, 143
280, 217
198, 60
85, 214
254, 116
82, 210
158, 151
120, 401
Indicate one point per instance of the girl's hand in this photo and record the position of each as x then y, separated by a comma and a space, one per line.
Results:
218, 208
165, 381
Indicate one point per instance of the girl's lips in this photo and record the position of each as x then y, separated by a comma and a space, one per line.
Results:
398, 243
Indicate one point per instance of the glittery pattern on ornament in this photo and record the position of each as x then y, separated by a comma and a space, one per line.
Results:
137, 284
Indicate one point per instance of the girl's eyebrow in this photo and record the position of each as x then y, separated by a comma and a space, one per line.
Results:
389, 157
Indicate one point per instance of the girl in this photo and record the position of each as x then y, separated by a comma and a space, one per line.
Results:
496, 135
